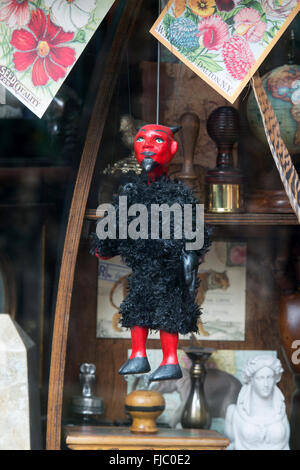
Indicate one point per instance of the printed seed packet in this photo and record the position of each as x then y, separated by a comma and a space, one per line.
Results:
40, 42
224, 41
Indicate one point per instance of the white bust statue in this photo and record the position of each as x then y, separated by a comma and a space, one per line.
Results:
258, 421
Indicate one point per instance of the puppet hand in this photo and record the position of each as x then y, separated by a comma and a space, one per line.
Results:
190, 268
97, 254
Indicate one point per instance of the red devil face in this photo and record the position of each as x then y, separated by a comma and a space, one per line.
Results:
154, 148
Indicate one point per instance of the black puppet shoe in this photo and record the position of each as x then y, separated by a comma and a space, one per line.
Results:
136, 365
166, 372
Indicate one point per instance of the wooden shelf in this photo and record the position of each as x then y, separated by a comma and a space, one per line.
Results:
50, 171
111, 438
245, 218
249, 218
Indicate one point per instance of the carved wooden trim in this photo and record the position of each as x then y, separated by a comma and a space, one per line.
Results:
246, 218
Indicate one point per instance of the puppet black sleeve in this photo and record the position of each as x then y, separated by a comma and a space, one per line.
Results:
105, 248
103, 245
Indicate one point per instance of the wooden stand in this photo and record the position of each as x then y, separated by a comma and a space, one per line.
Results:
224, 184
144, 407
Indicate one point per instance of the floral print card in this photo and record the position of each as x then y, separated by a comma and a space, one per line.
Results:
40, 41
224, 41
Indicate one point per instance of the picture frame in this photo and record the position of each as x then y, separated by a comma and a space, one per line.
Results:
221, 295
223, 45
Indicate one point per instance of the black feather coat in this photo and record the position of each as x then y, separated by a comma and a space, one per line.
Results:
158, 297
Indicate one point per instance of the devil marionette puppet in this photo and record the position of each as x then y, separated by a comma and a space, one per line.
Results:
162, 285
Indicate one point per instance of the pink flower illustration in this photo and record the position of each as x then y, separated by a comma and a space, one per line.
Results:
41, 46
278, 9
248, 24
213, 32
15, 13
238, 57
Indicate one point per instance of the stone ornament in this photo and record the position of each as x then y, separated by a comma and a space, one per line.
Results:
258, 421
20, 419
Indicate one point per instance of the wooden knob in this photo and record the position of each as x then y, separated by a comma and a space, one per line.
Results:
223, 129
144, 407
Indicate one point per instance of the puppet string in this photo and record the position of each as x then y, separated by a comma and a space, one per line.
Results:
158, 71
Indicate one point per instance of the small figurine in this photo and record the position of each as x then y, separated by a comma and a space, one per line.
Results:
163, 282
258, 421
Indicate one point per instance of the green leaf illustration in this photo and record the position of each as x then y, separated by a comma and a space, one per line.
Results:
192, 55
257, 6
210, 64
80, 36
263, 17
203, 60
191, 15
5, 37
228, 16
209, 55
266, 37
167, 21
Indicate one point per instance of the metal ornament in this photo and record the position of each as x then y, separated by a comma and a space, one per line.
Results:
123, 166
196, 413
87, 404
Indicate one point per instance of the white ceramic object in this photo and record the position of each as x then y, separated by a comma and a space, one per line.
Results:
258, 421
20, 425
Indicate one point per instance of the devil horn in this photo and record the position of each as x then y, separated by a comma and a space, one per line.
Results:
138, 128
175, 129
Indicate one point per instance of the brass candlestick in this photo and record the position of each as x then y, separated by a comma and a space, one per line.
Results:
196, 413
224, 184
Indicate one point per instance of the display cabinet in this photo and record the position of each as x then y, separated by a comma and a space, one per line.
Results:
122, 84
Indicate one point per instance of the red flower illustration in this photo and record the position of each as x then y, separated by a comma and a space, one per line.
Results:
238, 57
213, 32
42, 47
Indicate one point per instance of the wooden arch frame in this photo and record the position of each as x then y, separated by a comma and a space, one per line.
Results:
9, 285
76, 217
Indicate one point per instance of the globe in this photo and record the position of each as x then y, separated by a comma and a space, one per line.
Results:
282, 86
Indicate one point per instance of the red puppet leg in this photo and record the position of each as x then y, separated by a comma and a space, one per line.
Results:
169, 368
169, 343
139, 336
138, 362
